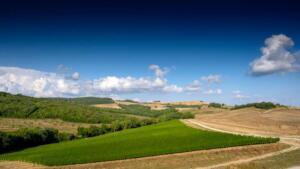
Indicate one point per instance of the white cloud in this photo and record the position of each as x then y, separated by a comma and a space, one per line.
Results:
238, 95
212, 91
193, 87
158, 71
36, 83
276, 57
173, 88
75, 75
211, 78
127, 84
44, 84
67, 72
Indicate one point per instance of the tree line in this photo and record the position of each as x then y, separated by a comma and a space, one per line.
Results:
261, 105
30, 137
113, 127
20, 106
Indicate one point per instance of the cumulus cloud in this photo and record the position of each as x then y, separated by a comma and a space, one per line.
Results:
44, 84
238, 95
276, 57
213, 91
75, 75
160, 73
128, 84
67, 72
193, 87
36, 83
211, 78
173, 88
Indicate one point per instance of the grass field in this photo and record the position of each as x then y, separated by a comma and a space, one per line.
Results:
163, 138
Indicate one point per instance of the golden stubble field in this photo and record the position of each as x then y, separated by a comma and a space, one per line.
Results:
277, 122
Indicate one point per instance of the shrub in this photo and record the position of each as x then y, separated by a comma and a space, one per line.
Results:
216, 105
261, 105
187, 115
115, 126
27, 137
66, 137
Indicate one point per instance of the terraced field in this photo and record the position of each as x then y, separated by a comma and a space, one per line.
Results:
164, 138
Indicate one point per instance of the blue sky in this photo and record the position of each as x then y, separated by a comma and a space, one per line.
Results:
189, 42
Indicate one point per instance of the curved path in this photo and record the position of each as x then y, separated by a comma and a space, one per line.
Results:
294, 143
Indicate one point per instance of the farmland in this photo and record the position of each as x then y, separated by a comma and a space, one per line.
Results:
121, 131
277, 121
164, 138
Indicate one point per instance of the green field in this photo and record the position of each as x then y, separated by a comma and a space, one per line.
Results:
164, 138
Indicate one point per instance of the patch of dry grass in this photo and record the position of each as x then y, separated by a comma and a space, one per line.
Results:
12, 124
110, 106
281, 161
280, 121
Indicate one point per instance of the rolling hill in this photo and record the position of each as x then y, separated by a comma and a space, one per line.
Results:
164, 138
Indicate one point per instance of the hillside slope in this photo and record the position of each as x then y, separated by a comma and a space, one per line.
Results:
20, 106
278, 121
164, 138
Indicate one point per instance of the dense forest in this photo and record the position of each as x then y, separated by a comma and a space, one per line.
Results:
85, 100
